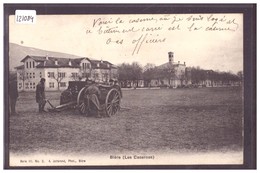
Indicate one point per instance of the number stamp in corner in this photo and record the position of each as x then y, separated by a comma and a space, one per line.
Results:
25, 16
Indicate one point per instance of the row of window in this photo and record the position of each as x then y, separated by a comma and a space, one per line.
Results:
60, 74
85, 66
27, 76
20, 85
52, 85
74, 75
51, 75
32, 85
30, 64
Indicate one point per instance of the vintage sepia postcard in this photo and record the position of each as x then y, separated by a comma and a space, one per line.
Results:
148, 86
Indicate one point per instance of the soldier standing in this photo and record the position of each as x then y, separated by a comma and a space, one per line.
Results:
116, 85
40, 95
93, 93
111, 82
13, 95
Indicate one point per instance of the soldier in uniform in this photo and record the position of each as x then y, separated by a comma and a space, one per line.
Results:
93, 94
13, 95
116, 85
40, 95
111, 82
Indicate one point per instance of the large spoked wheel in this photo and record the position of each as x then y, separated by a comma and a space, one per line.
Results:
82, 103
112, 104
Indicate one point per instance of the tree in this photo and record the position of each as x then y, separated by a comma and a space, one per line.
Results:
240, 75
123, 73
169, 72
136, 72
198, 75
22, 76
182, 77
149, 66
129, 73
58, 78
149, 73
213, 77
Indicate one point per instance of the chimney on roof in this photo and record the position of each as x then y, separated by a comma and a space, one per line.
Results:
47, 57
184, 63
56, 62
69, 62
178, 62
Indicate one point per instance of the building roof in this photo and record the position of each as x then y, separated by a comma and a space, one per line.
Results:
20, 67
168, 64
100, 64
36, 58
57, 62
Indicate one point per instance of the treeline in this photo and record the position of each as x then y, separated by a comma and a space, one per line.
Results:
132, 73
198, 75
129, 73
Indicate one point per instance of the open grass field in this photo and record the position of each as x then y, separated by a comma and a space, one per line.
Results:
162, 120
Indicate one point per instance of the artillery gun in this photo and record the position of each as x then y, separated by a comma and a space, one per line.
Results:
74, 97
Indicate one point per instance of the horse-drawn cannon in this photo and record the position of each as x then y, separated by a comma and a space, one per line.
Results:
76, 97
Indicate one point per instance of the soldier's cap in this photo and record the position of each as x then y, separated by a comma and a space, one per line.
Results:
90, 81
43, 80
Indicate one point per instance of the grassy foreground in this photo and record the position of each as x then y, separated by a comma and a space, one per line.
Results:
161, 120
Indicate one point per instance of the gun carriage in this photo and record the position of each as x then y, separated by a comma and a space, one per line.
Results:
75, 97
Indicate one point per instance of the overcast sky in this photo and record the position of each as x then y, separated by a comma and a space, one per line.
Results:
211, 41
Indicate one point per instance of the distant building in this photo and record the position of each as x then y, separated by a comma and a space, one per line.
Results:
173, 74
59, 71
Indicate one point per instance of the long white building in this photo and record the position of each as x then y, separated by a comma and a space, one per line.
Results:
59, 71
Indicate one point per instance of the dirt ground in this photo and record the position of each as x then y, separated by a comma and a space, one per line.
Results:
163, 120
